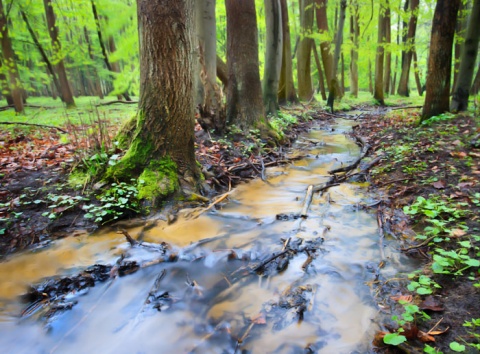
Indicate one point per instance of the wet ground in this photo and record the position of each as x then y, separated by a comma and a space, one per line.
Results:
264, 281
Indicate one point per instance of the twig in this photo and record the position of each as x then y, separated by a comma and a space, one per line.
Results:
129, 238
113, 102
36, 125
307, 202
273, 257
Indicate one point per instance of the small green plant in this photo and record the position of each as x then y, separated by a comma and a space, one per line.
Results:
431, 350
115, 202
436, 119
394, 338
60, 204
423, 285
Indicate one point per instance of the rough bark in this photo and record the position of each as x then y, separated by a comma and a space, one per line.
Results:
244, 92
409, 44
468, 57
378, 94
304, 77
161, 152
440, 58
354, 38
286, 92
273, 55
8, 61
322, 25
66, 93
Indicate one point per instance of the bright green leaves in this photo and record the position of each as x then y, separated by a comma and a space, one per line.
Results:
394, 339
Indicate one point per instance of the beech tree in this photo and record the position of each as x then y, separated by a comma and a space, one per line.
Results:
378, 94
9, 63
161, 152
286, 91
244, 92
468, 57
440, 58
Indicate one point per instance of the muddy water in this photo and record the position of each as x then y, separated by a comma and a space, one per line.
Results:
113, 316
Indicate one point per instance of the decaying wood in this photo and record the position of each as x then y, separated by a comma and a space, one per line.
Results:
129, 238
365, 147
307, 202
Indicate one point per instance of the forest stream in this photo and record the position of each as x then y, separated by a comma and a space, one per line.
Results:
264, 280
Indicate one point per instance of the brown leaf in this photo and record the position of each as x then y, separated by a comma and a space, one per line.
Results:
410, 331
457, 233
378, 339
436, 333
431, 303
425, 337
439, 184
405, 298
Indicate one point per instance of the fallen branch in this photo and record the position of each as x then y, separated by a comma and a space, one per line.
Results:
407, 107
36, 125
113, 102
307, 202
273, 257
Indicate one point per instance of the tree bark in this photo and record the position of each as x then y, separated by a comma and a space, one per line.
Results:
339, 37
468, 57
222, 71
304, 76
321, 79
10, 63
409, 44
388, 52
273, 55
286, 92
476, 82
354, 38
244, 92
95, 79
440, 58
66, 93
460, 29
322, 26
378, 94
161, 152
416, 72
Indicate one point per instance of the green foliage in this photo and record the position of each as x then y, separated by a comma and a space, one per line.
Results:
430, 350
423, 285
394, 339
114, 203
439, 118
59, 203
457, 347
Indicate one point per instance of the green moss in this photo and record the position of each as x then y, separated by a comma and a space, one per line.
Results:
126, 133
158, 180
77, 179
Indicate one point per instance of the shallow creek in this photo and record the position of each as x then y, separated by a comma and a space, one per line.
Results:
340, 313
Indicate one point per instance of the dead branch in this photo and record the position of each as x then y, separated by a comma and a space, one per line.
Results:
307, 202
273, 257
35, 125
114, 102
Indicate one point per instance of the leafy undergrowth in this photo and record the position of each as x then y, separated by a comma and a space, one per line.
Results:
41, 199
432, 172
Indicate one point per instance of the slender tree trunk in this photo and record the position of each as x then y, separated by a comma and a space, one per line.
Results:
378, 94
416, 72
97, 87
222, 71
161, 153
4, 87
440, 58
339, 37
409, 44
461, 27
467, 61
304, 76
9, 62
322, 25
388, 52
102, 45
66, 92
354, 38
286, 92
370, 82
273, 55
321, 79
116, 64
476, 82
244, 92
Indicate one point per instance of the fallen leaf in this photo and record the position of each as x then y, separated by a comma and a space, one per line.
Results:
458, 154
436, 333
425, 337
458, 233
405, 298
439, 184
431, 303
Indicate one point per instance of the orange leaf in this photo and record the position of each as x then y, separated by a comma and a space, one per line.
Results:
457, 233
405, 298
425, 337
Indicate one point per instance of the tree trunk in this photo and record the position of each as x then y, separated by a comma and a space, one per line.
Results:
102, 45
322, 25
321, 79
476, 83
9, 62
304, 77
222, 71
161, 152
339, 37
354, 38
416, 71
244, 92
409, 46
378, 94
388, 52
273, 55
440, 58
370, 83
286, 91
115, 65
97, 86
460, 29
66, 92
467, 61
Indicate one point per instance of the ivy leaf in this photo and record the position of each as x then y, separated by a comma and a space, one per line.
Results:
457, 347
394, 339
424, 291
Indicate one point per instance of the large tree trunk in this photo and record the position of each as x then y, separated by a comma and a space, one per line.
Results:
161, 153
461, 27
440, 58
66, 92
467, 61
9, 62
304, 76
409, 44
286, 91
244, 92
354, 38
337, 90
322, 25
378, 94
273, 55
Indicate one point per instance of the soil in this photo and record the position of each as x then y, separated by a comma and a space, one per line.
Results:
410, 161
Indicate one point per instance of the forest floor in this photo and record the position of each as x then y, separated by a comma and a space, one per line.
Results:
430, 172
